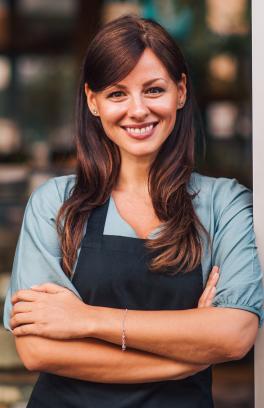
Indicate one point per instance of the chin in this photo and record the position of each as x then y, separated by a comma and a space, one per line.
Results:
140, 152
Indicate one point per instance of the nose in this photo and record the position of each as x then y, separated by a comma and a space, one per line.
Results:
138, 109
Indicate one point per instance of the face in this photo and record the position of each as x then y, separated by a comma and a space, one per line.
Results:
139, 112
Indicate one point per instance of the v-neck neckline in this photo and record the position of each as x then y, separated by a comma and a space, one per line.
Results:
128, 226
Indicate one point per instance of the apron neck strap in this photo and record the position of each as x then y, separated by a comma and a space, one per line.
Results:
96, 222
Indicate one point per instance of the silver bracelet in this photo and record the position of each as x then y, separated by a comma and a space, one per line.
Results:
123, 332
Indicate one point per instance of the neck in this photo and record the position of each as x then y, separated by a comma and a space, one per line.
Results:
133, 176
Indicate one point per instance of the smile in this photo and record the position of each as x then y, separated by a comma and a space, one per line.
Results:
140, 132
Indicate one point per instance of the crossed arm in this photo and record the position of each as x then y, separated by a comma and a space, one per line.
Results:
56, 332
98, 361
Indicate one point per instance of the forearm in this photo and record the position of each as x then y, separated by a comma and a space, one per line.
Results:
205, 335
99, 361
200, 336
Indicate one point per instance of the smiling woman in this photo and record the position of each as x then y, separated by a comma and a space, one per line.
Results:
143, 108
142, 55
122, 252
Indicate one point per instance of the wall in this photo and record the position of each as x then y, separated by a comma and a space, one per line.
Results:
258, 169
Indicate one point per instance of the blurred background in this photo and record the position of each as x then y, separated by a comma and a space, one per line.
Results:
42, 43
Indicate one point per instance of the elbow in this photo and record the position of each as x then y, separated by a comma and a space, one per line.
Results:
31, 364
237, 351
28, 353
241, 340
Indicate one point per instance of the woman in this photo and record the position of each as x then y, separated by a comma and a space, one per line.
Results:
139, 234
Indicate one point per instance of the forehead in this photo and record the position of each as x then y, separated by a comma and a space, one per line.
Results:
148, 67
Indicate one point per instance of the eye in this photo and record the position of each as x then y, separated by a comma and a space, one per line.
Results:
115, 94
156, 90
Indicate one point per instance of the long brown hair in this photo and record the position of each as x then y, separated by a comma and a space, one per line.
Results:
110, 57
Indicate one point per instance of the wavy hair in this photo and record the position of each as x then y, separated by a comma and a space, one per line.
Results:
110, 57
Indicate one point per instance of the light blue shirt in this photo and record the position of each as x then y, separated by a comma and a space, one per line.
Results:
223, 206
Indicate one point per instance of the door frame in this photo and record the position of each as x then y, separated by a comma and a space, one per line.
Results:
258, 169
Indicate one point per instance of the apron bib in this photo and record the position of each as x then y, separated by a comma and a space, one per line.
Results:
112, 272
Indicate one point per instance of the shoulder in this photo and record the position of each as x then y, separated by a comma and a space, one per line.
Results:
218, 194
55, 186
218, 200
49, 196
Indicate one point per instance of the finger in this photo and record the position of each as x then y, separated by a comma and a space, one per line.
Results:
214, 272
24, 295
21, 318
21, 307
215, 268
204, 296
212, 281
26, 329
210, 297
49, 288
206, 291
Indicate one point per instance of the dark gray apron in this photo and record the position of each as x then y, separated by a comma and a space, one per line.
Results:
112, 271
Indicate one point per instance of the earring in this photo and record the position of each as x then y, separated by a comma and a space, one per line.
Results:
95, 111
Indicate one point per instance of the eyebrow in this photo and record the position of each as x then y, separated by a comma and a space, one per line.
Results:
145, 83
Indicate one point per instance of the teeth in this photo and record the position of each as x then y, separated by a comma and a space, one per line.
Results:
137, 131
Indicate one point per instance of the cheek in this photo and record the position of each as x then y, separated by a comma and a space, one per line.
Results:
166, 107
169, 117
110, 114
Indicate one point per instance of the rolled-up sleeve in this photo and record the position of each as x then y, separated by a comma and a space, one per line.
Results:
234, 249
37, 257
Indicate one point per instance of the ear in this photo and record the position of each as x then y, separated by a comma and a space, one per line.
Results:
182, 91
91, 99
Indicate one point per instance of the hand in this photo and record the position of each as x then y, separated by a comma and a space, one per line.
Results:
50, 311
210, 289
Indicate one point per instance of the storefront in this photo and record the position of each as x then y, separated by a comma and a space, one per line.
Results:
41, 46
